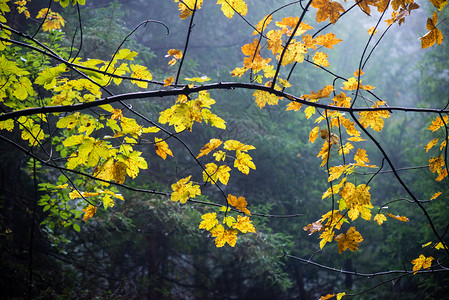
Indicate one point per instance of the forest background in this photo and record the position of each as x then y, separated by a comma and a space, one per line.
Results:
65, 235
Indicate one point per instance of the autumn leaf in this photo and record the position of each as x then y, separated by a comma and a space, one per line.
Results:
229, 6
328, 296
399, 218
89, 212
223, 236
350, 240
326, 236
434, 35
52, 20
187, 6
421, 262
214, 173
380, 218
175, 55
436, 195
314, 227
162, 148
184, 189
244, 162
313, 134
168, 81
212, 145
209, 221
327, 9
438, 123
439, 4
236, 145
335, 172
357, 200
328, 40
374, 119
262, 24
320, 58
140, 72
263, 98
431, 144
361, 157
244, 224
239, 203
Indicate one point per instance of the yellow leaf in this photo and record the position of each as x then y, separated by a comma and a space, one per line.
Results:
220, 155
293, 105
236, 145
431, 144
340, 295
313, 134
434, 34
89, 212
187, 6
320, 58
239, 203
426, 244
328, 296
243, 162
184, 189
168, 81
436, 195
438, 123
399, 218
52, 20
335, 172
439, 246
229, 6
326, 236
212, 145
327, 9
134, 162
374, 119
209, 221
350, 240
244, 224
213, 173
328, 40
440, 4
162, 148
361, 157
140, 72
263, 23
309, 111
380, 218
228, 220
223, 236
372, 31
421, 262
263, 98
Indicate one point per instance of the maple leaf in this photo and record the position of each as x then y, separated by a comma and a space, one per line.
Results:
134, 162
438, 123
328, 296
314, 134
326, 236
436, 195
328, 40
354, 84
399, 218
323, 93
335, 172
212, 145
374, 119
31, 131
140, 72
175, 55
434, 34
436, 164
244, 224
89, 212
334, 189
236, 145
357, 200
263, 23
295, 53
223, 236
431, 144
361, 157
320, 58
229, 6
209, 221
162, 148
168, 81
213, 119
52, 20
312, 228
184, 189
244, 162
263, 98
380, 218
421, 262
187, 6
213, 173
327, 9
48, 76
349, 240
239, 203
274, 41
